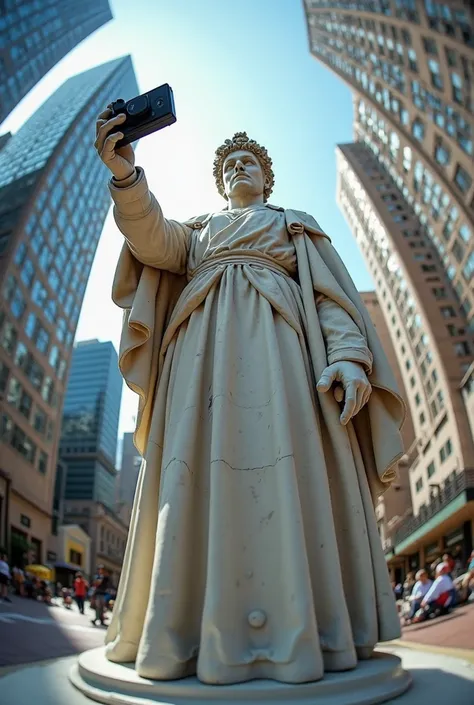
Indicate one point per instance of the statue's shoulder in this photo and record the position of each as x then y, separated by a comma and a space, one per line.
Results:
198, 221
308, 220
309, 223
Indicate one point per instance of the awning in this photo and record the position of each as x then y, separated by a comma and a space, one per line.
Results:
67, 566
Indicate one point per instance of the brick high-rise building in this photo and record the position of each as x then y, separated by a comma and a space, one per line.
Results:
407, 189
395, 504
35, 35
53, 203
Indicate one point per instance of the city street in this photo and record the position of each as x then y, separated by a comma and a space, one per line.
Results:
31, 631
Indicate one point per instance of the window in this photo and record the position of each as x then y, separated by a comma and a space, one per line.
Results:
39, 294
462, 179
18, 304
422, 418
418, 129
30, 325
468, 268
27, 272
441, 153
14, 392
430, 46
465, 233
458, 250
40, 420
412, 63
417, 399
447, 311
54, 356
439, 292
47, 389
23, 444
43, 463
3, 376
446, 450
436, 79
8, 337
42, 340
53, 279
462, 349
456, 88
451, 57
430, 470
419, 484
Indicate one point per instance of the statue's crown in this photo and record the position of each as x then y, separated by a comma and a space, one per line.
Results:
240, 141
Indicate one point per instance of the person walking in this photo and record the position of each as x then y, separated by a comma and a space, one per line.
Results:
5, 577
80, 591
101, 590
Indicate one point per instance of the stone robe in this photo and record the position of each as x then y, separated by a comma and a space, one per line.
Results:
253, 549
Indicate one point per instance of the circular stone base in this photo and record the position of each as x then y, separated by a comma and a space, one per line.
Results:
375, 681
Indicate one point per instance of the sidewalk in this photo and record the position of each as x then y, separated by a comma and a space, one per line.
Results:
454, 631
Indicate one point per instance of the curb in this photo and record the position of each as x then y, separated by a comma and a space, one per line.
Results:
464, 654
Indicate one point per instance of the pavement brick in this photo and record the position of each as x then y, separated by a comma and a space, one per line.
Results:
455, 630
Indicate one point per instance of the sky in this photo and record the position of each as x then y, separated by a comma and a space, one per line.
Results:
233, 67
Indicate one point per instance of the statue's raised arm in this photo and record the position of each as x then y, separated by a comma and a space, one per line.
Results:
153, 240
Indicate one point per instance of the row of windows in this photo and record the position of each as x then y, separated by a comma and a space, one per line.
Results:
15, 436
432, 194
444, 453
410, 318
21, 400
444, 115
25, 361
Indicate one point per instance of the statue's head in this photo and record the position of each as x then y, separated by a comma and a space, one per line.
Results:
243, 166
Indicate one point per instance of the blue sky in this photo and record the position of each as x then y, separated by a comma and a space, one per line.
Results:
232, 66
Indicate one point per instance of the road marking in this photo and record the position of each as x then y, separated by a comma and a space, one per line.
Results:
11, 617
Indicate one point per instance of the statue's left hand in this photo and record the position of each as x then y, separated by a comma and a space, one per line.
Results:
356, 386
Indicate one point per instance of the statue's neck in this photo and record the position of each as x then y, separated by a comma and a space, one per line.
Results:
245, 202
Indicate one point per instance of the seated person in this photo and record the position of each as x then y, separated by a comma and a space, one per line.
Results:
420, 590
440, 597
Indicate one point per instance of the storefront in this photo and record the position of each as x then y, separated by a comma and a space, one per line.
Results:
4, 500
74, 553
29, 532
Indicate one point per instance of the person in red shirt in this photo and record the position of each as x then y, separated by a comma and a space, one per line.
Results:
80, 591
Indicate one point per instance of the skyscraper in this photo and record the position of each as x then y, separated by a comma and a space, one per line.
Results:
88, 450
90, 423
394, 505
130, 467
35, 35
53, 202
406, 187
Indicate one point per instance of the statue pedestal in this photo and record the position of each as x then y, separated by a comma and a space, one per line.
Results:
376, 681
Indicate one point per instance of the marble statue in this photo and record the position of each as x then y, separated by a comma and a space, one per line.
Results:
268, 422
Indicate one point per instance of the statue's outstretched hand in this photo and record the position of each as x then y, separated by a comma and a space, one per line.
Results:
121, 162
354, 381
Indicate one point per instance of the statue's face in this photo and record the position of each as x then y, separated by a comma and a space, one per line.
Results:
243, 175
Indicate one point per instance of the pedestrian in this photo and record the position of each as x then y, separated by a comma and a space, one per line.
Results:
420, 590
80, 591
5, 577
101, 589
440, 597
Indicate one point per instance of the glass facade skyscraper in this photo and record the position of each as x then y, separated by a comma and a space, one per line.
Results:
90, 423
407, 190
35, 35
53, 202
